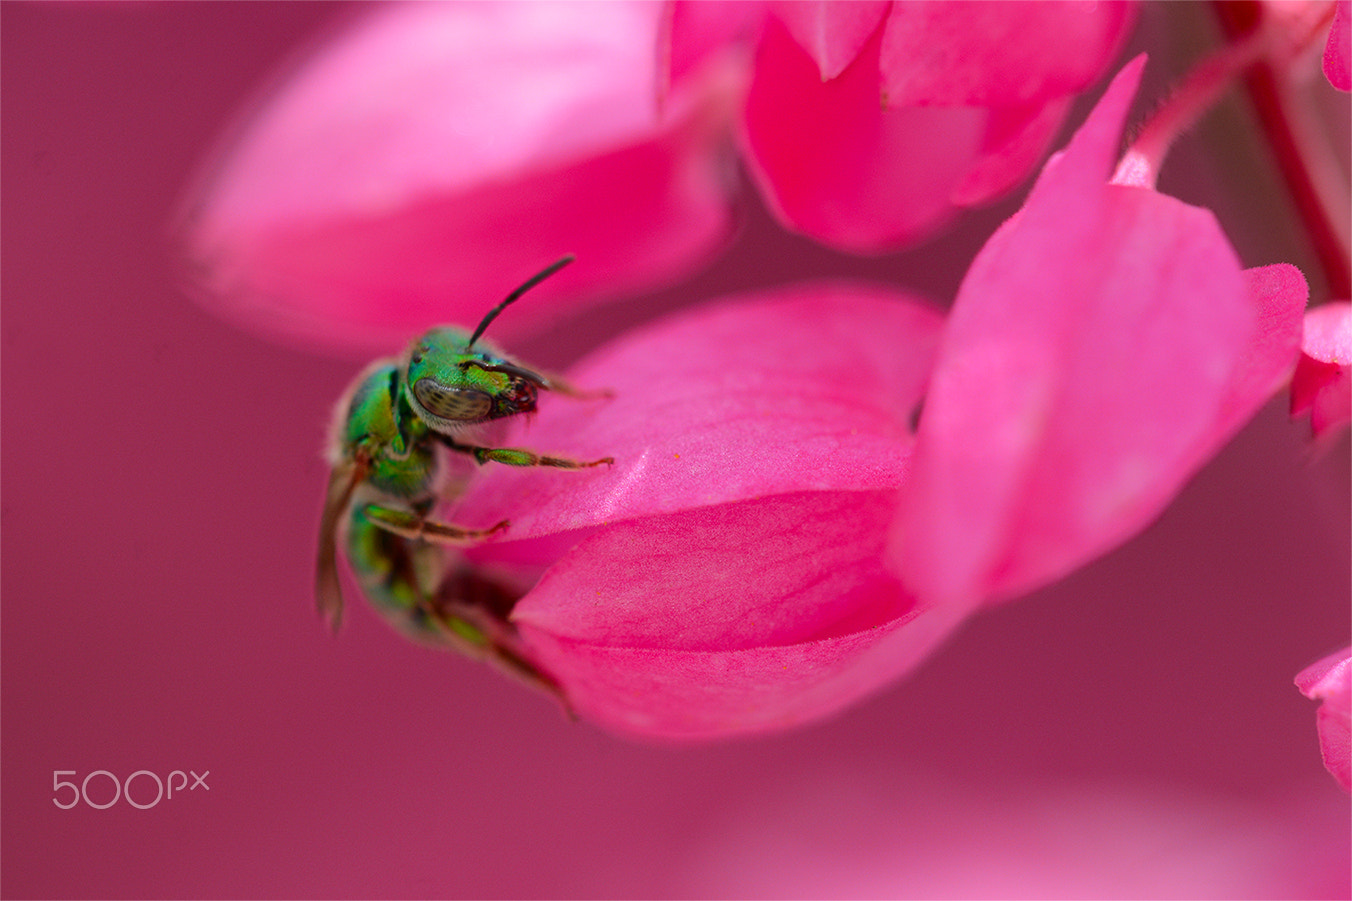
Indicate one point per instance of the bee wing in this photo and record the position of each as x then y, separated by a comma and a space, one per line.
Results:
343, 481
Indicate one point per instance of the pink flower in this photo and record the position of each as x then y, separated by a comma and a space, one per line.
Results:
442, 150
438, 151
730, 574
1338, 50
1322, 382
726, 574
868, 126
773, 541
1103, 346
1330, 681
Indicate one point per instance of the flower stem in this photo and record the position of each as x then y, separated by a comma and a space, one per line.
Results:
1304, 154
1193, 97
1265, 51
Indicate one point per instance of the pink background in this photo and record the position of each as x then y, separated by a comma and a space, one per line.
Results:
1131, 731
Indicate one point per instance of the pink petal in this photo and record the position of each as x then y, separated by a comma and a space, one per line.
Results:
831, 31
1278, 294
1338, 50
436, 154
795, 389
997, 53
833, 165
1323, 379
732, 619
1330, 681
693, 31
1016, 138
1102, 347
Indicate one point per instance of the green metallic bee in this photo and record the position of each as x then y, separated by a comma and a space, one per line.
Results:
390, 437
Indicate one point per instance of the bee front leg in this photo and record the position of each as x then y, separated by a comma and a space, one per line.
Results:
407, 524
519, 456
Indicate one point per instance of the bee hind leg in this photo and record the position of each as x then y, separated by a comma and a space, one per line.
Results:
476, 610
407, 524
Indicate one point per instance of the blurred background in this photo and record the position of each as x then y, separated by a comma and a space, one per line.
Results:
1132, 731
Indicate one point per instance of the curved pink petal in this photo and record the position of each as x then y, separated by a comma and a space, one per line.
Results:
1102, 347
831, 31
1322, 382
1338, 50
995, 53
734, 619
1277, 296
834, 165
1015, 139
796, 389
726, 574
1330, 681
435, 154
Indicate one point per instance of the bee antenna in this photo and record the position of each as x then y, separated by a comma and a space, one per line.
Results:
515, 295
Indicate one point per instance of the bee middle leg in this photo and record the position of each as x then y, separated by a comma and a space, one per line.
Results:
520, 456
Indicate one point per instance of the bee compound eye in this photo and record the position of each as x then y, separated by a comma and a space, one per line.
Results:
456, 404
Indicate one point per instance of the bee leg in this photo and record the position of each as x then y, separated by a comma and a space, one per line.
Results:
484, 635
408, 524
519, 456
498, 650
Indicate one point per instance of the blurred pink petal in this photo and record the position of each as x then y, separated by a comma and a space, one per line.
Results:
1330, 681
878, 151
900, 831
995, 53
1102, 348
1015, 139
725, 575
833, 165
1338, 50
435, 153
1322, 382
831, 31
694, 31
